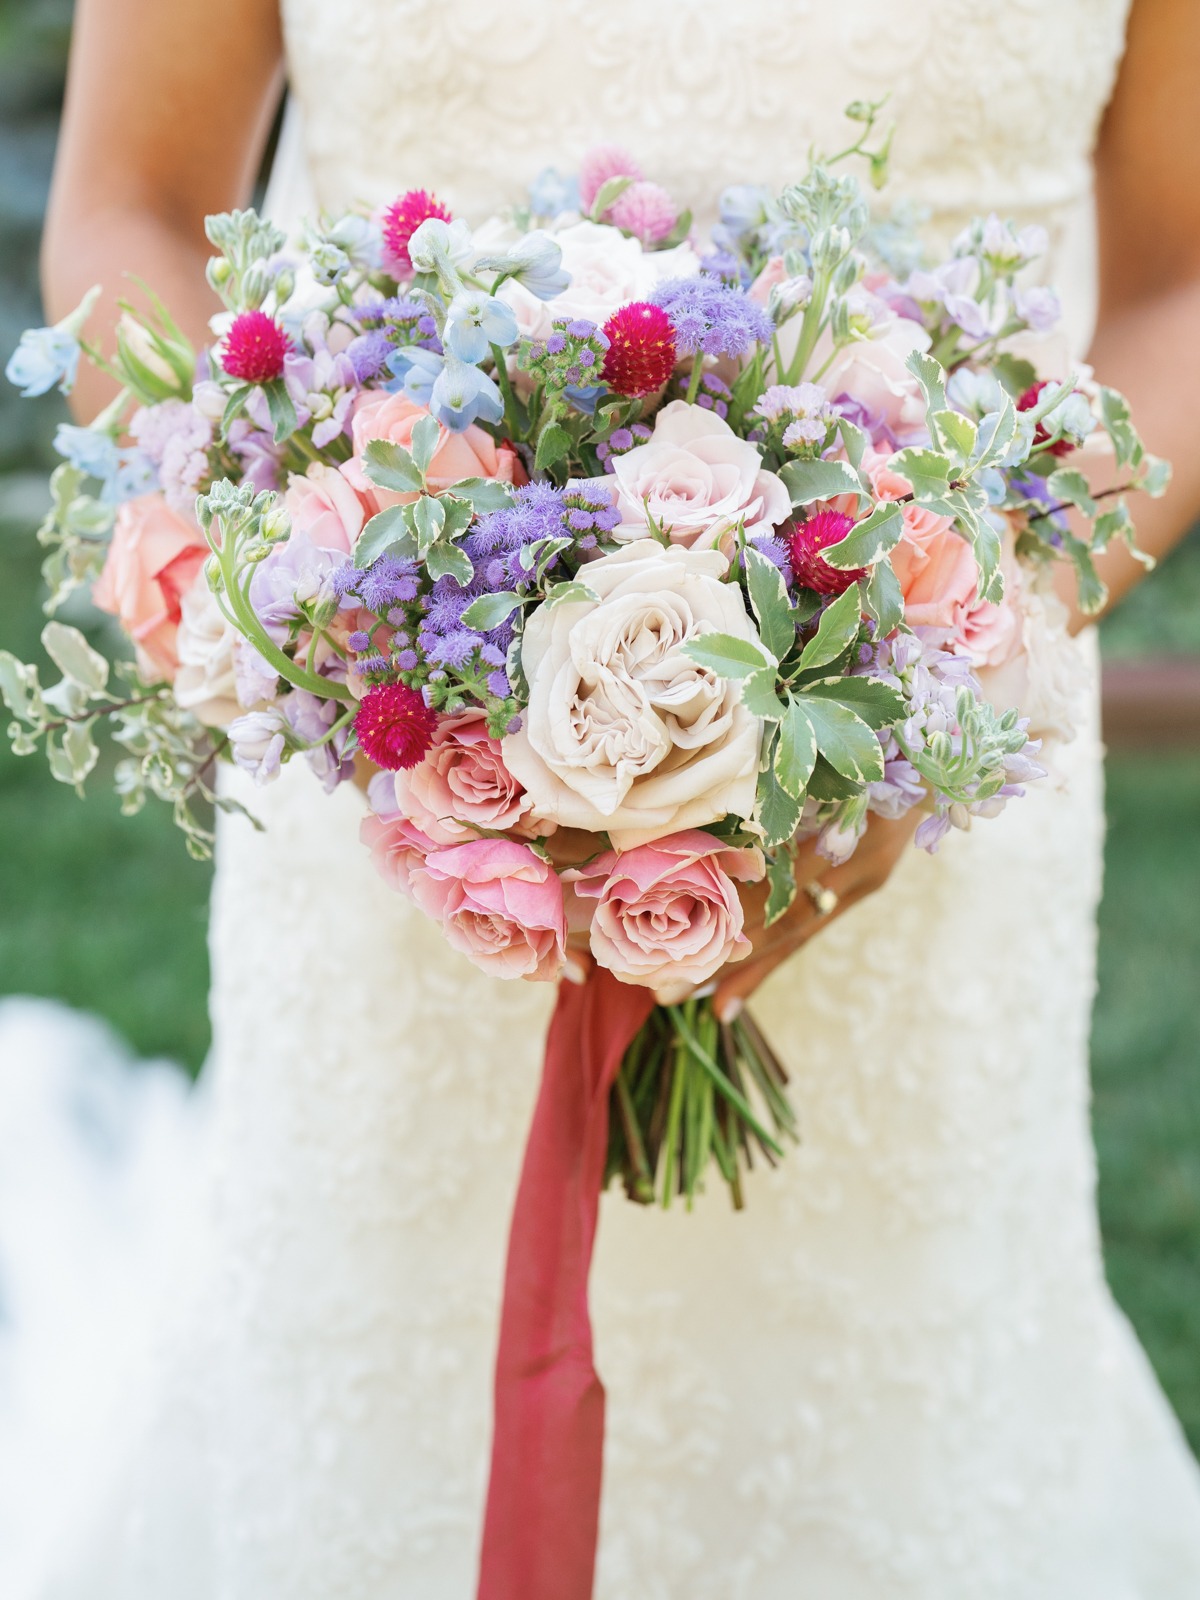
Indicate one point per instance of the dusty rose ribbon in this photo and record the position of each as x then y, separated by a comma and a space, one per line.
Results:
543, 1503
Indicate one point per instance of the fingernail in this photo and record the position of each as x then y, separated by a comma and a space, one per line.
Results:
730, 1010
705, 990
573, 972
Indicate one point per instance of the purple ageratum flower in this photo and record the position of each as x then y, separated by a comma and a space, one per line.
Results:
710, 318
368, 354
387, 582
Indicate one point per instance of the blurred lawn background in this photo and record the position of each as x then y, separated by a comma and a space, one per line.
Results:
109, 914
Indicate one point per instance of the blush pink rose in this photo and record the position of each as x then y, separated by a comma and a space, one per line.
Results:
469, 454
935, 565
462, 785
499, 903
668, 914
872, 371
326, 507
152, 561
991, 632
398, 850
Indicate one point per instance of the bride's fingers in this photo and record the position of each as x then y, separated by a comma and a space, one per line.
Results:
577, 968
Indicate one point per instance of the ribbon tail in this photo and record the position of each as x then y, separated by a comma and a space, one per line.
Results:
543, 1501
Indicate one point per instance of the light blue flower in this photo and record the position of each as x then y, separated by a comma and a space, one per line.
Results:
474, 322
584, 399
440, 247
88, 449
743, 208
43, 358
462, 394
136, 475
551, 193
416, 370
534, 261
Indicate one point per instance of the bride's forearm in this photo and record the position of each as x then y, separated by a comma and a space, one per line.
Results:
115, 248
1150, 351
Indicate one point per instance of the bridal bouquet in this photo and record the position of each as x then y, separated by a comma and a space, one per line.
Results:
626, 562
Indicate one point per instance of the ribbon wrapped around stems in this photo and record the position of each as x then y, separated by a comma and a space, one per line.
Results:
543, 1502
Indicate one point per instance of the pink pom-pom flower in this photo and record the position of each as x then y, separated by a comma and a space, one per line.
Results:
646, 210
402, 219
602, 162
394, 725
254, 348
641, 349
806, 540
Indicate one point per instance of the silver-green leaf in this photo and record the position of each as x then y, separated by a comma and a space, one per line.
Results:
74, 657
768, 596
869, 540
845, 740
819, 480
490, 610
836, 630
727, 655
796, 750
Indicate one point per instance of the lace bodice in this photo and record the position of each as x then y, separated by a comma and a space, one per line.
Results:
899, 1372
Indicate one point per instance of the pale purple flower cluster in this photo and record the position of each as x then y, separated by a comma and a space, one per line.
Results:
710, 318
177, 438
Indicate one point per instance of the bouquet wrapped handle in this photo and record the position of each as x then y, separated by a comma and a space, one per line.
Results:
543, 1502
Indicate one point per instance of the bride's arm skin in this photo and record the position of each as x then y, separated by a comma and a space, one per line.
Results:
1147, 345
169, 103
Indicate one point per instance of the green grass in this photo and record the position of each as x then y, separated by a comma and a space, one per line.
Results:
109, 914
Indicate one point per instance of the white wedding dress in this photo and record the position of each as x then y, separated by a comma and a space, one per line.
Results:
900, 1372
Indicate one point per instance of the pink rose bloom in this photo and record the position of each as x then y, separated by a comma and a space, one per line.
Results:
469, 454
871, 370
696, 479
153, 558
462, 785
935, 565
499, 903
668, 914
398, 850
776, 276
990, 633
325, 506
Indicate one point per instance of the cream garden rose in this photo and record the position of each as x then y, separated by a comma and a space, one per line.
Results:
624, 733
697, 480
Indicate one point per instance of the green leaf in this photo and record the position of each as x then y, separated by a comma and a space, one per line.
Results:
429, 518
18, 684
877, 703
778, 812
759, 695
490, 610
768, 596
828, 786
854, 440
79, 749
423, 442
845, 740
796, 750
387, 530
1069, 484
869, 540
391, 467
459, 515
280, 409
931, 375
1155, 475
959, 431
485, 494
233, 406
448, 561
781, 885
1091, 591
74, 657
609, 191
994, 437
819, 480
567, 593
927, 471
837, 629
726, 655
882, 599
1015, 374
1114, 412
553, 444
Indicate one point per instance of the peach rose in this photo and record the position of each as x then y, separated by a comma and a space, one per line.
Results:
935, 565
153, 558
326, 507
469, 454
696, 479
398, 849
499, 903
668, 914
462, 785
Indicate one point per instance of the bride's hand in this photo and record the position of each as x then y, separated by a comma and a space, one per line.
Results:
879, 849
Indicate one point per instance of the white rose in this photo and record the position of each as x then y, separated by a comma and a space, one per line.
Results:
624, 733
204, 683
697, 480
607, 270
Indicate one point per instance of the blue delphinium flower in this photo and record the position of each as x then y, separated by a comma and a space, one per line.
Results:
475, 321
462, 394
552, 192
43, 358
535, 262
88, 449
710, 318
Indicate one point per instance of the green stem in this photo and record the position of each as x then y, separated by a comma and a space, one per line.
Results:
696, 378
671, 1137
722, 1083
512, 419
